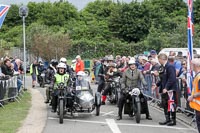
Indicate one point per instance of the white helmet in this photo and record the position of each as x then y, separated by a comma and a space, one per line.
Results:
81, 73
63, 59
131, 62
62, 65
73, 61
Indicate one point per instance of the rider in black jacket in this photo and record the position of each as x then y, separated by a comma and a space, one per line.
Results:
51, 70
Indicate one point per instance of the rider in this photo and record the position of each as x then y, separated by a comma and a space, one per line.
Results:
60, 76
81, 81
111, 73
101, 74
131, 78
51, 71
68, 68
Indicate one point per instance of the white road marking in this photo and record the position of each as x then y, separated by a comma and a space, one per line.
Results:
111, 112
94, 122
154, 126
126, 124
113, 126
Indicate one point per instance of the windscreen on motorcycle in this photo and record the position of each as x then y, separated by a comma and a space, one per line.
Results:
82, 83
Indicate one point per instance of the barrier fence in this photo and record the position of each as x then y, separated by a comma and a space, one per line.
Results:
9, 89
181, 95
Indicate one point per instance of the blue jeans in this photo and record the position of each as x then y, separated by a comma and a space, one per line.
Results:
19, 83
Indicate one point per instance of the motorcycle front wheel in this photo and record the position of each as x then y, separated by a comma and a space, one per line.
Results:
138, 112
97, 110
61, 111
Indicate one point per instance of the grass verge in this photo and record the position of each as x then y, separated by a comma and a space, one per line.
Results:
12, 116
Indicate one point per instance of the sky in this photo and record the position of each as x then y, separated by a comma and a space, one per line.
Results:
80, 4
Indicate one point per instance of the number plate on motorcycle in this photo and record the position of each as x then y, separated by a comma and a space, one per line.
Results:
78, 87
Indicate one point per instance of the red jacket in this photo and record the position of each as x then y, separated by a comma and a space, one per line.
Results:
79, 66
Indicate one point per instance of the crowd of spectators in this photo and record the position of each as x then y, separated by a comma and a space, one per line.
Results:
149, 66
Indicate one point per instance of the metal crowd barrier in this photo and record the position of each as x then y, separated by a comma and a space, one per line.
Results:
8, 89
182, 95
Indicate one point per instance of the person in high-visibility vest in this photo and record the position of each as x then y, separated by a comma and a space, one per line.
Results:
34, 72
194, 99
60, 76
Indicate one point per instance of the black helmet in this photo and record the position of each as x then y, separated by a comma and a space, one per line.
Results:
104, 59
54, 62
112, 65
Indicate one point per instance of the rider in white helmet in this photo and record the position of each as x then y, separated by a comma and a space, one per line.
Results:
131, 78
60, 76
63, 60
68, 68
81, 81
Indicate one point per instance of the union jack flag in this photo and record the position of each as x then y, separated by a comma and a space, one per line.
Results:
3, 12
171, 104
190, 46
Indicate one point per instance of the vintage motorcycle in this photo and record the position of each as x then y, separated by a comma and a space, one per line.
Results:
42, 78
133, 103
115, 90
78, 99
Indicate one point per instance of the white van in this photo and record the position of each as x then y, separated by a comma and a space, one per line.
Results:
176, 50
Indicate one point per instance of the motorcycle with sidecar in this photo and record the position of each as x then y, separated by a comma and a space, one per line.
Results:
79, 99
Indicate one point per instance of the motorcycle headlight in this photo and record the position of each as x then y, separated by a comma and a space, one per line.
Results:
136, 91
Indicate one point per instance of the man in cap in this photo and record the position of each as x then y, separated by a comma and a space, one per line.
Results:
153, 54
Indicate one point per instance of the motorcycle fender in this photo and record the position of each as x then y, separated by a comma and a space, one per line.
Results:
137, 99
97, 99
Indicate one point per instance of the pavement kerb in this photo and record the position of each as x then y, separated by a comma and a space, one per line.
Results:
37, 115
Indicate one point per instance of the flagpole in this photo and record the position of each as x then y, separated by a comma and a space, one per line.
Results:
190, 47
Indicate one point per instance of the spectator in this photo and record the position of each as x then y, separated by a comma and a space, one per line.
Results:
168, 88
176, 64
194, 99
6, 68
79, 64
1, 63
34, 72
19, 69
179, 56
153, 54
147, 75
154, 78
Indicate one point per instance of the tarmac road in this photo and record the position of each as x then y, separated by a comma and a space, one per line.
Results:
107, 123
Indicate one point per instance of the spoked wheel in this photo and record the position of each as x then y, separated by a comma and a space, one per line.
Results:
138, 112
97, 110
61, 111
